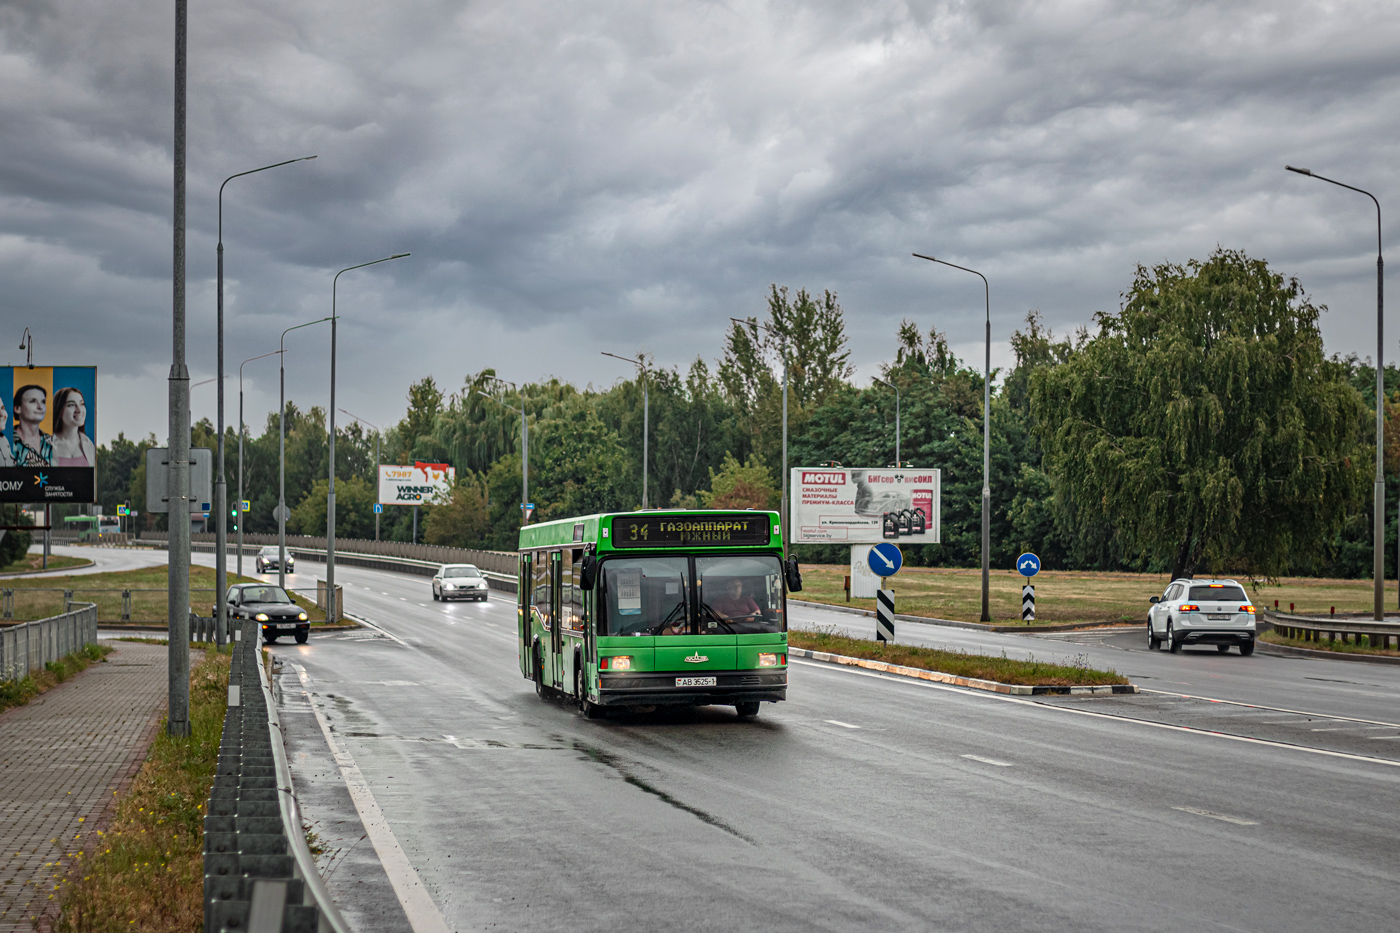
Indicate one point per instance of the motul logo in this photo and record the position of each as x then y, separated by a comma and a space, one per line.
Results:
823, 479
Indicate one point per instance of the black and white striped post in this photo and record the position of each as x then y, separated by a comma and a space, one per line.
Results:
1028, 565
885, 559
884, 614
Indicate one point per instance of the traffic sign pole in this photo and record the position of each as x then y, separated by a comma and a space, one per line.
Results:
1028, 565
885, 559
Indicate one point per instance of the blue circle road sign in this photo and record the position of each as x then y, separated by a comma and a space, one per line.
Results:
885, 559
1028, 565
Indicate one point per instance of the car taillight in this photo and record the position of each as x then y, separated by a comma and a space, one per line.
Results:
1248, 609
1189, 607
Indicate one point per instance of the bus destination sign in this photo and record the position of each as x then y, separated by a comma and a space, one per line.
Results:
745, 529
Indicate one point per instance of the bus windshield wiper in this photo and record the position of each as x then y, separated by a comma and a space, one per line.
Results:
680, 606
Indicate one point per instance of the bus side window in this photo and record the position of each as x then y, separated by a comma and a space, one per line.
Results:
541, 595
573, 571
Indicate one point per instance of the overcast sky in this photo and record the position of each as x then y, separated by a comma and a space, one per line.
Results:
586, 176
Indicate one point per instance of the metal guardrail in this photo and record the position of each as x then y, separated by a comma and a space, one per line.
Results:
7, 597
27, 647
259, 874
1330, 628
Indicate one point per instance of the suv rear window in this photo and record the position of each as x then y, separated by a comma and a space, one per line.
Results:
1228, 594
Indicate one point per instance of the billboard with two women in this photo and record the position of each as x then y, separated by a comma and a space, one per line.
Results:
48, 433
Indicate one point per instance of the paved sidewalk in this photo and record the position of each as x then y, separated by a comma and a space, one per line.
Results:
61, 758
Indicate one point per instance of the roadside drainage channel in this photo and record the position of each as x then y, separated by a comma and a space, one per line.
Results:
259, 874
969, 682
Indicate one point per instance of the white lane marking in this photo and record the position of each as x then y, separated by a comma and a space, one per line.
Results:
385, 632
418, 905
1217, 816
988, 761
983, 695
381, 592
423, 605
493, 624
1272, 709
1382, 738
843, 725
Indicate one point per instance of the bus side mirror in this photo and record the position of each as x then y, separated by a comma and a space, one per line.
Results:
793, 574
589, 572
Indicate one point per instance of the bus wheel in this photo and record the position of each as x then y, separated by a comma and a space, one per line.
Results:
539, 672
746, 710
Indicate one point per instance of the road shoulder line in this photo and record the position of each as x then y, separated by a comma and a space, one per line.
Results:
417, 904
969, 682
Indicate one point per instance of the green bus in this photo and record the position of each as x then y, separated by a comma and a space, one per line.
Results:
637, 610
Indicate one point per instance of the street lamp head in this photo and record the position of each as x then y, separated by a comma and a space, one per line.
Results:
401, 256
922, 256
1300, 171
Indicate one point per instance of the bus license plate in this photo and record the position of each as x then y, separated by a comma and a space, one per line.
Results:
696, 681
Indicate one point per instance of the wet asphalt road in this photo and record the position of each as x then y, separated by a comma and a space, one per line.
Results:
863, 803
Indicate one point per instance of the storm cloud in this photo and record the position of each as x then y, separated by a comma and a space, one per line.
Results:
580, 177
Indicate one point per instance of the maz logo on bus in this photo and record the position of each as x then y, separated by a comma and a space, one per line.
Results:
696, 658
824, 479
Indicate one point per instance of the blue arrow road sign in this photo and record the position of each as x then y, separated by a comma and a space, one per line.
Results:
885, 559
1028, 565
378, 508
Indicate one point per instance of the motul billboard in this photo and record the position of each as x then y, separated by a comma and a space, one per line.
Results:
840, 506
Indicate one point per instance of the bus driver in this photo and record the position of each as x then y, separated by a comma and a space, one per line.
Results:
734, 605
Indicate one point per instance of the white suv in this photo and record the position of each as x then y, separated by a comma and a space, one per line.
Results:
1202, 612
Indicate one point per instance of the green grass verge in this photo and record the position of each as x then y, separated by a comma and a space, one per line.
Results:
1274, 638
1002, 670
32, 562
145, 871
42, 597
21, 691
1070, 596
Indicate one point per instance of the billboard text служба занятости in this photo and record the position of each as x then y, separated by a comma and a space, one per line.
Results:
48, 434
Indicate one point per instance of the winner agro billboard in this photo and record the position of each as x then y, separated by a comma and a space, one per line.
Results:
839, 506
48, 433
420, 484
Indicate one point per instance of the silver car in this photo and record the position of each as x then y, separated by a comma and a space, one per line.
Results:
1202, 612
459, 581
268, 557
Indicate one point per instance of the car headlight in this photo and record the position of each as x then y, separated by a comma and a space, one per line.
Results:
449, 586
302, 617
481, 585
261, 617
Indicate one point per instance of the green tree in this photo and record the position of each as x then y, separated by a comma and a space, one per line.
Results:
741, 486
354, 509
463, 521
1204, 423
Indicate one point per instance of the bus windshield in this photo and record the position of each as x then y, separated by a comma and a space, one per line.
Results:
652, 595
740, 595
646, 596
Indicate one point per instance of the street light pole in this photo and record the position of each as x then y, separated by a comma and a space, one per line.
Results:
220, 483
331, 614
646, 417
891, 385
282, 451
524, 447
241, 514
1379, 547
986, 442
376, 466
178, 474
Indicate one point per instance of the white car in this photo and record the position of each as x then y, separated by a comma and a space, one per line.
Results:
1202, 612
459, 581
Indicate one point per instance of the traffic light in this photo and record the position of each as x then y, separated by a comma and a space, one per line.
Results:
233, 513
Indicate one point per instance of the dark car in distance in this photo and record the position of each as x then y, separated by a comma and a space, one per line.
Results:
267, 560
271, 607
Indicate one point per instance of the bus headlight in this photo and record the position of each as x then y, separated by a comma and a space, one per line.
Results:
619, 662
767, 659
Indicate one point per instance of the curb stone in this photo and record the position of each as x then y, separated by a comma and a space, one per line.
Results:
970, 682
